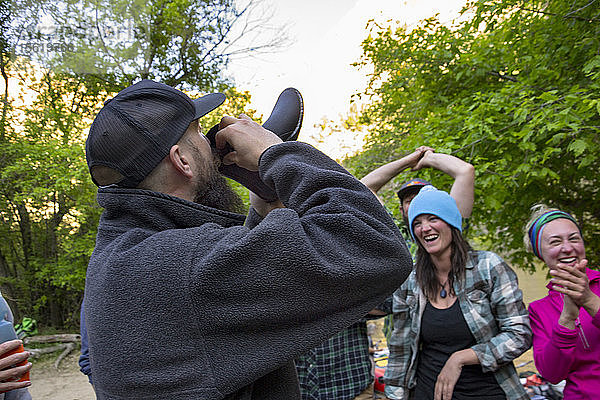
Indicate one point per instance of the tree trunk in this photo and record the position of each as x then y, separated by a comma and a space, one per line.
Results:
3, 64
59, 338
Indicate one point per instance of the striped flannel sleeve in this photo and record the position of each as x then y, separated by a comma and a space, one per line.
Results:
400, 342
514, 332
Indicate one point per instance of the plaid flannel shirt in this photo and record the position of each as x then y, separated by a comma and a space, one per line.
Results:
341, 368
492, 305
338, 369
388, 323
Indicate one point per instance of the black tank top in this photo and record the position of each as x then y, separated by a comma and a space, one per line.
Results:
443, 332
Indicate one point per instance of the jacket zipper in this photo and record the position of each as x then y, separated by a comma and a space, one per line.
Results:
586, 344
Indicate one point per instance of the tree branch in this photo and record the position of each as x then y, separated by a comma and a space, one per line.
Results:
503, 76
579, 9
104, 44
58, 338
69, 348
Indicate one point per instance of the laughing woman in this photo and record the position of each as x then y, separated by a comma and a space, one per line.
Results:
565, 323
459, 319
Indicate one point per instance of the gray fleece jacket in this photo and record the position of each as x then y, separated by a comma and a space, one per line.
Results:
185, 302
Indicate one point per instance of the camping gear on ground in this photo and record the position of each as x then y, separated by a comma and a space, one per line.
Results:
538, 388
27, 327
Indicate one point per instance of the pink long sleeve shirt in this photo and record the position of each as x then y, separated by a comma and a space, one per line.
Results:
562, 353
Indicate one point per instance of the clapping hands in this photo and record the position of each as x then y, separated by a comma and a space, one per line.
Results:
572, 281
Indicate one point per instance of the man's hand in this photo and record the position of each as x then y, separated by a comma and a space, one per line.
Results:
9, 372
247, 138
263, 207
375, 179
418, 155
463, 188
425, 161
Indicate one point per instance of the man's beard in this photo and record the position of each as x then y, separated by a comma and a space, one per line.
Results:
214, 190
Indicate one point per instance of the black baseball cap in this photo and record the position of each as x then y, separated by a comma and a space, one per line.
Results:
411, 186
134, 131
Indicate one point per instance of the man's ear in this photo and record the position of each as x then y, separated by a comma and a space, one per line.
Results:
180, 161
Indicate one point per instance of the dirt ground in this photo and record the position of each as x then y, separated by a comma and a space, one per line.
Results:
66, 383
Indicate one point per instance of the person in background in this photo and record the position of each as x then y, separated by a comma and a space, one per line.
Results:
10, 388
565, 323
341, 367
459, 319
462, 191
10, 371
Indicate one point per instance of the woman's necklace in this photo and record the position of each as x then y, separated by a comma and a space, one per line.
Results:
443, 292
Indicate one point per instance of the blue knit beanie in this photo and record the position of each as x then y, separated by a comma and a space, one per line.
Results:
436, 202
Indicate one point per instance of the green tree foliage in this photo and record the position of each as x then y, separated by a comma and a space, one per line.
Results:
513, 88
46, 199
59, 79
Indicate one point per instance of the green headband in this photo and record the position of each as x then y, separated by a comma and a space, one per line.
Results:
536, 229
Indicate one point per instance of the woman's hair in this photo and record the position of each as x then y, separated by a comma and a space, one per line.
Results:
425, 269
541, 214
537, 211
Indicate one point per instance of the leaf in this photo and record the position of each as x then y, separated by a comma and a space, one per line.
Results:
591, 65
520, 115
578, 146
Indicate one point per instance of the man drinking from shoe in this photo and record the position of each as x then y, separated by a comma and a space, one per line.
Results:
186, 299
